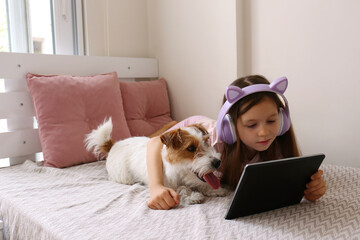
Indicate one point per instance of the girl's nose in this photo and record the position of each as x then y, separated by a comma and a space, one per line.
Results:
263, 131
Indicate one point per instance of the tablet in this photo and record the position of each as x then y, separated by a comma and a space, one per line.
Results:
273, 184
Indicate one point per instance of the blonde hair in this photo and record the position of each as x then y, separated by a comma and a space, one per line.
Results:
236, 156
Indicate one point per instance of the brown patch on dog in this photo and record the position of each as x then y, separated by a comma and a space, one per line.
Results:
107, 146
181, 146
201, 128
172, 139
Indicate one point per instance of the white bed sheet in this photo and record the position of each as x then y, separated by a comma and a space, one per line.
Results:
80, 203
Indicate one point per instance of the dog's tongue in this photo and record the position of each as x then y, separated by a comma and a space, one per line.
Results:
212, 180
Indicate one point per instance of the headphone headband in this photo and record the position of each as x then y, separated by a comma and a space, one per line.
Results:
234, 94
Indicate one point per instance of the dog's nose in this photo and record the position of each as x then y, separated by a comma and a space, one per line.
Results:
216, 163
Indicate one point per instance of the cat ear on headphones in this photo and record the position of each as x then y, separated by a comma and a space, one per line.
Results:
233, 94
279, 85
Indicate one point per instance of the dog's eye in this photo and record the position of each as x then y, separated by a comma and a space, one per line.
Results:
191, 149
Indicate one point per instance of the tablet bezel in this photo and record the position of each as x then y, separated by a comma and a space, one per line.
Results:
269, 185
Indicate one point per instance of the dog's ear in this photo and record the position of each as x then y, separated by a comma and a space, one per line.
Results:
172, 138
201, 128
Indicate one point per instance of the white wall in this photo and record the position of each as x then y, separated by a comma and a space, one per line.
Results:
116, 28
316, 44
195, 44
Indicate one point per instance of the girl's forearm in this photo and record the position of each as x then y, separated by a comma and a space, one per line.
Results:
154, 162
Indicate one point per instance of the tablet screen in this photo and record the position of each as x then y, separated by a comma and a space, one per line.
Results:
273, 184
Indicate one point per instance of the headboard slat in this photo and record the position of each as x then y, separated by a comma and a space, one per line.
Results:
16, 104
16, 65
18, 143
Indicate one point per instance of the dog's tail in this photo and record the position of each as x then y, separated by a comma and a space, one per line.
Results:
99, 140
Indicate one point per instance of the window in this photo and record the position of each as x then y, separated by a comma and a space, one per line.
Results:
4, 38
41, 26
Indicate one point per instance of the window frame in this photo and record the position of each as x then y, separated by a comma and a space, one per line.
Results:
67, 26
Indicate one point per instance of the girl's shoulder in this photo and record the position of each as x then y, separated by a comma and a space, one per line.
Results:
208, 123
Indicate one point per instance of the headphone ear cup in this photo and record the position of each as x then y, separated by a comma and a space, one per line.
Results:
284, 122
228, 130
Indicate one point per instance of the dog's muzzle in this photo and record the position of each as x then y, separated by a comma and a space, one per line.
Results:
216, 163
210, 178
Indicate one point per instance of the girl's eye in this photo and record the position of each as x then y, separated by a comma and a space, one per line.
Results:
251, 126
271, 121
191, 149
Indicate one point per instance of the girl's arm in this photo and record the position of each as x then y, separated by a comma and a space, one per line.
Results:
161, 197
316, 188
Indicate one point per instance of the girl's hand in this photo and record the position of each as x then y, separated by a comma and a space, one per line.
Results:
316, 188
163, 198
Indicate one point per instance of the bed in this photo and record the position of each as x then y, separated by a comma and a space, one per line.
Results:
73, 199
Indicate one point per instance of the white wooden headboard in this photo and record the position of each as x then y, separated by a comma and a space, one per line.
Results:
20, 140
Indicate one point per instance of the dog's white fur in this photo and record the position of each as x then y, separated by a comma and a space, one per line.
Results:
126, 160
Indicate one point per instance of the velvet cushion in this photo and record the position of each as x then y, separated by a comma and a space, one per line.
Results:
146, 106
69, 107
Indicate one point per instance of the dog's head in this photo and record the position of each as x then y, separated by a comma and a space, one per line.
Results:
189, 147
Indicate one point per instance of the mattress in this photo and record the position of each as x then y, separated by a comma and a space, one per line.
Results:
80, 203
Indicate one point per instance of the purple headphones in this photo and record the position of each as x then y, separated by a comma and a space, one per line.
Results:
225, 127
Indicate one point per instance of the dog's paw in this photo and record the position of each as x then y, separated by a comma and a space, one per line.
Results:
196, 198
188, 197
220, 192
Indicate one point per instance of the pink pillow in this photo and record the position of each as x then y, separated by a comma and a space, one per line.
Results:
69, 107
146, 105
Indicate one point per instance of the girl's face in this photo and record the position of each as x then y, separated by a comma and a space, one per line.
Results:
258, 126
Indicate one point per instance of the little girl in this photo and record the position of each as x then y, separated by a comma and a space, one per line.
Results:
261, 131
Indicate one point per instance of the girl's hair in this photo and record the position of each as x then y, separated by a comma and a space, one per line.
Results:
236, 156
